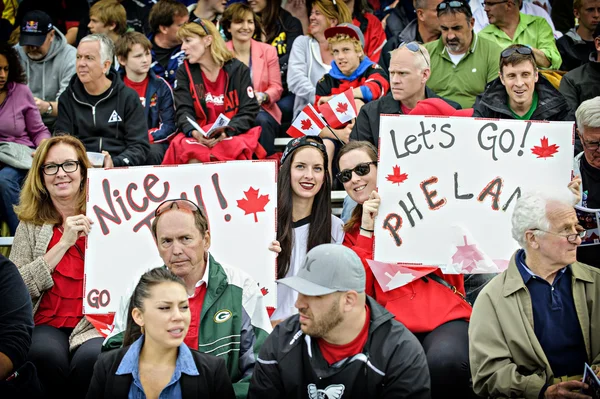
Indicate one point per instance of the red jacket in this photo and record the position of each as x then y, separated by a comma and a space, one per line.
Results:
374, 34
421, 305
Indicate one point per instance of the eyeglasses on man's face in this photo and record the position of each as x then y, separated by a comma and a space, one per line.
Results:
572, 238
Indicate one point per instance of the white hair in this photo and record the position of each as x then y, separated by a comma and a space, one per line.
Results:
588, 114
107, 47
530, 212
421, 59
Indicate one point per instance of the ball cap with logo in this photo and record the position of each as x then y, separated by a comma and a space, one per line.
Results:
328, 268
34, 28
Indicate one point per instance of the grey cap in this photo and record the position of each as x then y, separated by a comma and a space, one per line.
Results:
328, 268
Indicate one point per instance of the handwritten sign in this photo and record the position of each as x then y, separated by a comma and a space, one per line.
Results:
240, 199
448, 186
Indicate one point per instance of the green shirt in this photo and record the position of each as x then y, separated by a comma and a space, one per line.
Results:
527, 116
464, 81
532, 31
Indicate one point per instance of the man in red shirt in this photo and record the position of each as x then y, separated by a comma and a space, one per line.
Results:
341, 342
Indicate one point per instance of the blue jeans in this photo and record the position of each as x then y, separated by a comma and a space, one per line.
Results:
11, 180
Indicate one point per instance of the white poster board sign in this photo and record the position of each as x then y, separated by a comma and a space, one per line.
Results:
448, 186
240, 199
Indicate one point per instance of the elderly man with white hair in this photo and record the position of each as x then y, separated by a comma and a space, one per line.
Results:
587, 166
532, 327
100, 110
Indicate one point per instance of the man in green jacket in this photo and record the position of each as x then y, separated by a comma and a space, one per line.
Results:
534, 326
509, 26
229, 317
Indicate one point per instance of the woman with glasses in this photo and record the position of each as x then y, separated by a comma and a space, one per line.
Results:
240, 24
22, 127
155, 362
433, 308
304, 218
311, 58
49, 250
212, 85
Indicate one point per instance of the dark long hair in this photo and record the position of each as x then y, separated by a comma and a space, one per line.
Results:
319, 231
269, 17
15, 70
371, 151
142, 291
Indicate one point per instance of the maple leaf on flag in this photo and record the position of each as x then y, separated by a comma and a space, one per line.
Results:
306, 124
104, 324
545, 150
397, 177
253, 203
342, 108
467, 256
399, 279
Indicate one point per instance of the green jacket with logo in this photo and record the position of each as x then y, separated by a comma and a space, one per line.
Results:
233, 325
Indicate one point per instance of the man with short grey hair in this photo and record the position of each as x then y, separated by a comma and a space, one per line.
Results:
100, 110
342, 344
586, 165
533, 326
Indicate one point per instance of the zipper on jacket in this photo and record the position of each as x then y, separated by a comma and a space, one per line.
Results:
92, 106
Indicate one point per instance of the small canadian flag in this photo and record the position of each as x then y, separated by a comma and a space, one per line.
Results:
307, 123
391, 275
339, 110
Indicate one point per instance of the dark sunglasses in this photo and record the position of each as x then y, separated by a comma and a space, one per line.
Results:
180, 204
414, 47
362, 169
455, 4
521, 50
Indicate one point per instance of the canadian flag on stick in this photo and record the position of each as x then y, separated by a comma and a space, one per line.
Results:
391, 276
307, 123
339, 110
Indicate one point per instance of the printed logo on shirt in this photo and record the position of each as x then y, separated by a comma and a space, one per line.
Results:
279, 43
114, 117
250, 91
222, 316
217, 100
143, 101
153, 100
331, 392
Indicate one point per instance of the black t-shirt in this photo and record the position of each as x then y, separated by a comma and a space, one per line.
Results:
163, 55
590, 176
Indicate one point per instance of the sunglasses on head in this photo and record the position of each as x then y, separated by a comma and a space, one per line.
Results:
362, 169
414, 47
179, 204
199, 22
455, 4
521, 50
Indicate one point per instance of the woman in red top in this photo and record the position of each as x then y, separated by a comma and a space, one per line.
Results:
49, 250
428, 307
209, 83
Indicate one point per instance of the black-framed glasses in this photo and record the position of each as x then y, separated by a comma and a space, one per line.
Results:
493, 3
362, 169
592, 146
51, 169
180, 203
521, 50
572, 238
414, 47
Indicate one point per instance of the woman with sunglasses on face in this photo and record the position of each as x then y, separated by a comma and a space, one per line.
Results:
240, 24
155, 362
311, 57
304, 218
49, 251
21, 125
209, 83
428, 307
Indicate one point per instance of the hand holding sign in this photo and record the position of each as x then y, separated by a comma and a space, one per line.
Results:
370, 211
75, 227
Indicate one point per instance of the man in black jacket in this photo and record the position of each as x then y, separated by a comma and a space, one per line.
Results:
409, 71
16, 325
100, 110
342, 343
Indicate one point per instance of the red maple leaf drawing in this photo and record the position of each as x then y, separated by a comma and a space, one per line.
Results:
342, 108
467, 256
545, 150
264, 291
305, 124
397, 177
253, 203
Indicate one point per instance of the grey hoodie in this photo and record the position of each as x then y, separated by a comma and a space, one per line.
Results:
49, 77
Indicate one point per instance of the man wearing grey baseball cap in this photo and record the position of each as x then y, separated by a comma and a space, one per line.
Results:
342, 344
